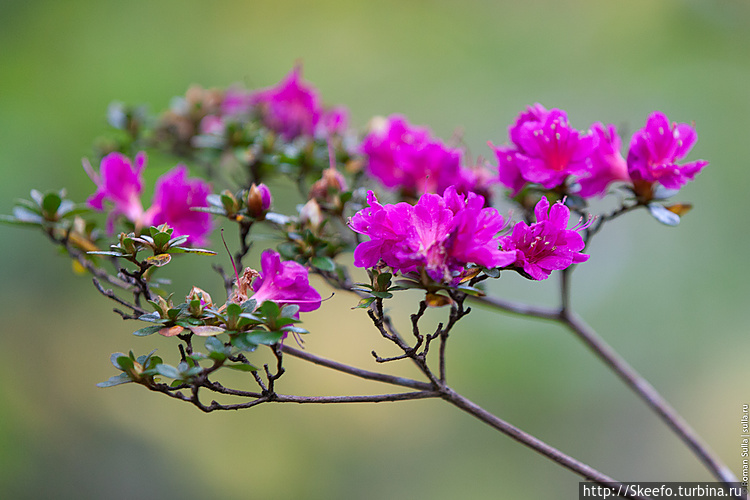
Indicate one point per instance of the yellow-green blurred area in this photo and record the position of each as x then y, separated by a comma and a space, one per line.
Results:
673, 301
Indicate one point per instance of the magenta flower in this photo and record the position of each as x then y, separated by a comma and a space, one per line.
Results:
174, 196
440, 234
548, 244
333, 122
404, 156
284, 283
545, 150
291, 108
509, 174
655, 149
258, 200
550, 150
607, 164
119, 182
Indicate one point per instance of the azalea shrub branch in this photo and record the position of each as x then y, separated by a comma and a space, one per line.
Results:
417, 214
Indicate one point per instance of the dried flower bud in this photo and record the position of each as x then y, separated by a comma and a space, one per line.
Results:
258, 201
243, 285
197, 300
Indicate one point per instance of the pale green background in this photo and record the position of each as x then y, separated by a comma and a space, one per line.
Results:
672, 300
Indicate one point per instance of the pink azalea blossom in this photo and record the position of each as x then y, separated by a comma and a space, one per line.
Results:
291, 108
550, 150
607, 164
440, 234
407, 157
546, 245
174, 196
284, 283
119, 182
545, 150
655, 150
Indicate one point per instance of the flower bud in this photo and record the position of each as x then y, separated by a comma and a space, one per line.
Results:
258, 201
311, 214
197, 300
332, 182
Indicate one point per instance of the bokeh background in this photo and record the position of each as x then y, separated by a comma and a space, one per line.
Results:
673, 301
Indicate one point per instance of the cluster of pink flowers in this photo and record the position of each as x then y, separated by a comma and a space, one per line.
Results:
407, 157
440, 235
547, 151
292, 109
120, 182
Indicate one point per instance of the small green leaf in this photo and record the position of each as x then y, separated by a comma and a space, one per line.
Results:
242, 343
197, 251
215, 345
242, 367
51, 203
249, 305
323, 263
288, 250
470, 290
382, 295
384, 280
492, 272
364, 303
295, 329
269, 309
168, 371
289, 310
148, 330
120, 379
123, 362
264, 337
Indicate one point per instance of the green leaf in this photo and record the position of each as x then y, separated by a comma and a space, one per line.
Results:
289, 310
492, 272
120, 379
215, 345
249, 305
269, 309
114, 357
663, 215
177, 241
295, 329
197, 251
364, 303
288, 250
384, 280
242, 343
264, 337
123, 362
148, 330
470, 290
168, 371
51, 203
323, 263
382, 295
159, 260
242, 367
234, 310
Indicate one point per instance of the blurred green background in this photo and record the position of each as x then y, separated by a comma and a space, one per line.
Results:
673, 301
